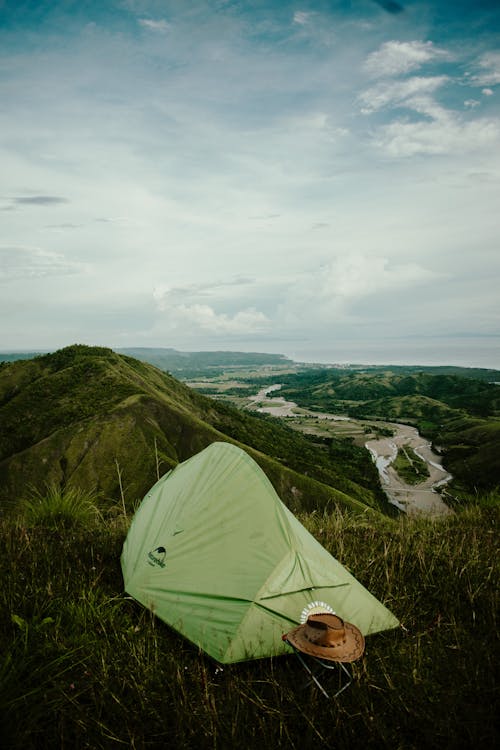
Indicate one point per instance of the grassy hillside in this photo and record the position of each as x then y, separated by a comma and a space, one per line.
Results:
83, 666
90, 418
476, 373
321, 386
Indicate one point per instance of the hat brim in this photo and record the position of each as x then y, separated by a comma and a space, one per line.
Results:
349, 651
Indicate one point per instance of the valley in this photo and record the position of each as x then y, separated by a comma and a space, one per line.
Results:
451, 416
420, 497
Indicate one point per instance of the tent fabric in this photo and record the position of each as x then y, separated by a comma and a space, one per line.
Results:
215, 554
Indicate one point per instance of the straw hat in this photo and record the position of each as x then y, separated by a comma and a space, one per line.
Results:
327, 636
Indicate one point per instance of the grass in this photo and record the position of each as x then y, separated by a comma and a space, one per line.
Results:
59, 508
84, 666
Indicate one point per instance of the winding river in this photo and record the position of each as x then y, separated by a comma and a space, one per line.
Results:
413, 499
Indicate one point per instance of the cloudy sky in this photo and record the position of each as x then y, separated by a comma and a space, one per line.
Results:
317, 178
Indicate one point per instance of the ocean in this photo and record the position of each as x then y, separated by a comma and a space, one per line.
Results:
481, 352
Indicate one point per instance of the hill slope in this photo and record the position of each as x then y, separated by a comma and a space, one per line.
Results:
91, 418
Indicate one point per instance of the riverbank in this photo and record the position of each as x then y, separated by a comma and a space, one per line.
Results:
277, 406
418, 499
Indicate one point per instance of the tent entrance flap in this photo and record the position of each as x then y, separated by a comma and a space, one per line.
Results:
295, 605
295, 573
310, 589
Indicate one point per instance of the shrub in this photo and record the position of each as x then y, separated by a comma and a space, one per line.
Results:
57, 507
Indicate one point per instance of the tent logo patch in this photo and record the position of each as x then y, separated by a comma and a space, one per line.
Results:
157, 557
315, 608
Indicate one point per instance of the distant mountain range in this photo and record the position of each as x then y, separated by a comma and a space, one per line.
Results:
187, 365
174, 358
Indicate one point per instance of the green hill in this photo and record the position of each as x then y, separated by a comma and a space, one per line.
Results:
476, 373
319, 387
90, 418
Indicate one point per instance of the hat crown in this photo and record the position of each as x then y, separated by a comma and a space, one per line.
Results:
325, 630
327, 636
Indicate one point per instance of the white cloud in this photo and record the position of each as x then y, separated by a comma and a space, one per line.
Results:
223, 290
442, 131
20, 262
487, 92
203, 318
330, 295
160, 25
186, 308
361, 275
301, 17
489, 70
445, 134
395, 58
429, 107
388, 93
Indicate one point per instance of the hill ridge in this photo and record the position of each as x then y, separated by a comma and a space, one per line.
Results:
83, 414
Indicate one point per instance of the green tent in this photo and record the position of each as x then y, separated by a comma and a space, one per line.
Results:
214, 553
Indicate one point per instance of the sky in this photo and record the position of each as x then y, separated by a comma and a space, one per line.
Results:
318, 179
